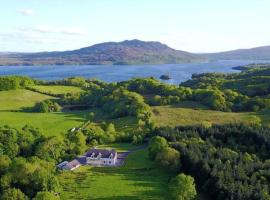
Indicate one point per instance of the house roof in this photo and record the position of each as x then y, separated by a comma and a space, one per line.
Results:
72, 164
105, 153
62, 164
82, 160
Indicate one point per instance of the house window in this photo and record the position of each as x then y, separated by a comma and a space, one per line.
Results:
110, 162
104, 162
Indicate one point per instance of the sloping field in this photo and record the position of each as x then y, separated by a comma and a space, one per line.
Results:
190, 113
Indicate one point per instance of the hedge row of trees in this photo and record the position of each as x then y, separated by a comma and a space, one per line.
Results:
14, 82
228, 161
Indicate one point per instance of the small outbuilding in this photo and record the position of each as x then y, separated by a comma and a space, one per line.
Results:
74, 164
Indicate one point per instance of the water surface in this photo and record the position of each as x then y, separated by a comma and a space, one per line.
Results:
111, 73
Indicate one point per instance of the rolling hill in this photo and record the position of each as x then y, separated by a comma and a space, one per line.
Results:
126, 52
259, 53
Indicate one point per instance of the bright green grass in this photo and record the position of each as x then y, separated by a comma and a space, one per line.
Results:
18, 99
119, 147
49, 123
57, 89
138, 179
190, 113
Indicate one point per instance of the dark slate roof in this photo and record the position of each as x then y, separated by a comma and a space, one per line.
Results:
72, 164
104, 152
82, 160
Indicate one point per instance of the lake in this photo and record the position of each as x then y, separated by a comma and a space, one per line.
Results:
111, 73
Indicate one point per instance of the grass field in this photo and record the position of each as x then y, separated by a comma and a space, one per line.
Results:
57, 89
119, 147
190, 113
49, 123
18, 99
138, 179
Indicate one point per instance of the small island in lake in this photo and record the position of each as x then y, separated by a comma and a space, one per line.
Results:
165, 77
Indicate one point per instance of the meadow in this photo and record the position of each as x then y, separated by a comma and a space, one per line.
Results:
57, 89
13, 102
191, 113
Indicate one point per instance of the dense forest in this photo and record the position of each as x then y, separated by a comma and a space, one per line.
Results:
226, 162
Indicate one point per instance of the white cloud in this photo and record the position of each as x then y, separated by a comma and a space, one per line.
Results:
26, 12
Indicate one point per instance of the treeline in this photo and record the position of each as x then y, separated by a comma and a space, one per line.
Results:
228, 161
14, 82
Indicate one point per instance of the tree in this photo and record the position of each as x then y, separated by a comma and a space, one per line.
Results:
50, 148
156, 145
47, 106
169, 157
45, 196
78, 142
182, 187
4, 163
13, 194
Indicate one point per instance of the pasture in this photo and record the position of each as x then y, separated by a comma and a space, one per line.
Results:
57, 89
190, 113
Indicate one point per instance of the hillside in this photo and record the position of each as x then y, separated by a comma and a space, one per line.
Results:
126, 52
259, 53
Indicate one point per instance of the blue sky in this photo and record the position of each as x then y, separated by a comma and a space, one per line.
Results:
191, 25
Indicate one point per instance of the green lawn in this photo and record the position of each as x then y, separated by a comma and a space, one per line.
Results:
57, 89
190, 113
138, 179
18, 99
119, 147
49, 123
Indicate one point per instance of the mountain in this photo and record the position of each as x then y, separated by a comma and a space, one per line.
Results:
126, 52
259, 53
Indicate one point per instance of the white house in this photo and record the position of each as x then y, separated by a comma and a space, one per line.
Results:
96, 157
100, 157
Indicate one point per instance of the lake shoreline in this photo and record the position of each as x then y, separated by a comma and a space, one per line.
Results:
115, 73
